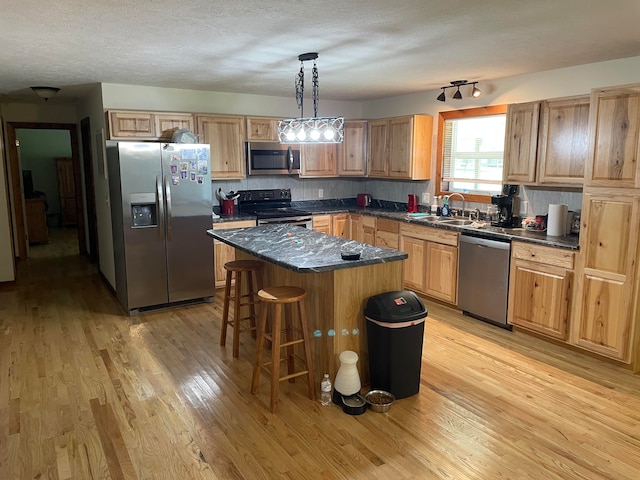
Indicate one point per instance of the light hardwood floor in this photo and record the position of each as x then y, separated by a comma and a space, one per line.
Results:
87, 393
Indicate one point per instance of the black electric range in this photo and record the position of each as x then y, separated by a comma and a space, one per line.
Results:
272, 206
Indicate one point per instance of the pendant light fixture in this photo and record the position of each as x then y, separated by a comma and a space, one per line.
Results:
312, 129
475, 92
45, 92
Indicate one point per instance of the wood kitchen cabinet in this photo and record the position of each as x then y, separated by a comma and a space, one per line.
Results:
339, 225
546, 142
388, 233
432, 267
521, 142
400, 147
563, 141
607, 302
66, 191
362, 228
262, 129
322, 223
352, 153
223, 253
540, 288
319, 160
144, 125
225, 135
613, 138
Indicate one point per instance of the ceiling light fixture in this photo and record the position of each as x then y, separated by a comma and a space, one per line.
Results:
475, 92
312, 129
45, 92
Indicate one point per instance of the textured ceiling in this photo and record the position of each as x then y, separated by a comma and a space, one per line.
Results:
367, 48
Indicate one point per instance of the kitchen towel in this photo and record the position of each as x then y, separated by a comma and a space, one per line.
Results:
557, 220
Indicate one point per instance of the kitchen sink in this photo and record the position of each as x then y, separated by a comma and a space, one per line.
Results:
457, 221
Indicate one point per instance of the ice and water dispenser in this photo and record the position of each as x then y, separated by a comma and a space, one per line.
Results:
143, 210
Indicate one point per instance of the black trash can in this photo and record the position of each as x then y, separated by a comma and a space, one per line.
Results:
395, 327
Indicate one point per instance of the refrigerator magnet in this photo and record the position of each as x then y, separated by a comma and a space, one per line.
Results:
184, 174
188, 153
200, 178
193, 176
202, 167
192, 165
175, 179
202, 153
184, 166
174, 169
175, 158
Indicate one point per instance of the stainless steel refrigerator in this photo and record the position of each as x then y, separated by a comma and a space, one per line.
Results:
160, 197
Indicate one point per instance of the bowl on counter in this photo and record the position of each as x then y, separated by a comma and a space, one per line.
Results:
379, 400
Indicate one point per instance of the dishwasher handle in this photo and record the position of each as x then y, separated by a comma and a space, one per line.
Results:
485, 242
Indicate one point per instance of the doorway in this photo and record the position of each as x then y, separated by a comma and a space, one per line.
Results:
22, 205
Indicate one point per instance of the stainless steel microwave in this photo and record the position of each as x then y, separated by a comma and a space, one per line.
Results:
271, 158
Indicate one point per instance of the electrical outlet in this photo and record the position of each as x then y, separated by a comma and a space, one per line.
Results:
425, 198
320, 193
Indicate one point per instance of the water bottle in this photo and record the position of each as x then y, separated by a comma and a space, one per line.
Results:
325, 386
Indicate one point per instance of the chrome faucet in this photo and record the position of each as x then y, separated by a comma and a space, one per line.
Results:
461, 198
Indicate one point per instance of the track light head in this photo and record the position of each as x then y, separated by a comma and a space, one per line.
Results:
441, 97
476, 92
457, 95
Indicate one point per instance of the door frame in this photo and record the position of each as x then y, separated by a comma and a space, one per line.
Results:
16, 185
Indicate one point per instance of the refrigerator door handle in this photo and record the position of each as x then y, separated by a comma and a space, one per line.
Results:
167, 193
160, 201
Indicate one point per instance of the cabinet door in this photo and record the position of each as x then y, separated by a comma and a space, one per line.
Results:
442, 272
414, 266
67, 191
613, 138
223, 253
319, 160
262, 129
521, 142
352, 153
564, 141
400, 147
339, 227
226, 136
355, 227
606, 300
378, 148
539, 297
387, 233
127, 125
166, 124
322, 223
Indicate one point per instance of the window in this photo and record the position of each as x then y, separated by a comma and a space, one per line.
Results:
470, 152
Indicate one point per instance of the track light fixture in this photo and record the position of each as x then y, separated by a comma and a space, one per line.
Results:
475, 92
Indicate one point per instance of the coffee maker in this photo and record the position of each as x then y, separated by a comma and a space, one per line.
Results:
507, 204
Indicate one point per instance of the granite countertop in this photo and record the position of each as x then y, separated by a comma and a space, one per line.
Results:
495, 233
302, 250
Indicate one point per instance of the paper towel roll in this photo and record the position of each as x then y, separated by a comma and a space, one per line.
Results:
557, 220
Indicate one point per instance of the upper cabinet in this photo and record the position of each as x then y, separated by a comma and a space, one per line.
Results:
563, 141
226, 136
546, 143
613, 137
262, 129
138, 125
400, 147
319, 160
352, 153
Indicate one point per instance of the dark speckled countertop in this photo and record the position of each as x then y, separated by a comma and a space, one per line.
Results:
302, 250
398, 212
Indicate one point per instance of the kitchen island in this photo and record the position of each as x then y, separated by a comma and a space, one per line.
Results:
337, 289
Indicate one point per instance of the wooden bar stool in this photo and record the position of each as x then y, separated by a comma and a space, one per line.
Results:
278, 297
252, 268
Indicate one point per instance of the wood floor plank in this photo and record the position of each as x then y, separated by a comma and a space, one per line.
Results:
88, 393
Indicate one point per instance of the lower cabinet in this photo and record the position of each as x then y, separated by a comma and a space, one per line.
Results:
362, 228
322, 223
540, 289
339, 225
223, 253
388, 233
432, 266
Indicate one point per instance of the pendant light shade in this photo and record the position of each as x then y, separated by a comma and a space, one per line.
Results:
457, 95
311, 129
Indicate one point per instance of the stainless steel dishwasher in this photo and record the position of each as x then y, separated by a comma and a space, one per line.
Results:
483, 279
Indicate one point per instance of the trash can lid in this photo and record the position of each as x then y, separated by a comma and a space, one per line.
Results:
391, 307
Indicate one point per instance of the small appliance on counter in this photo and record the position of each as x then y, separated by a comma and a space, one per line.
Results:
412, 203
363, 200
507, 204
